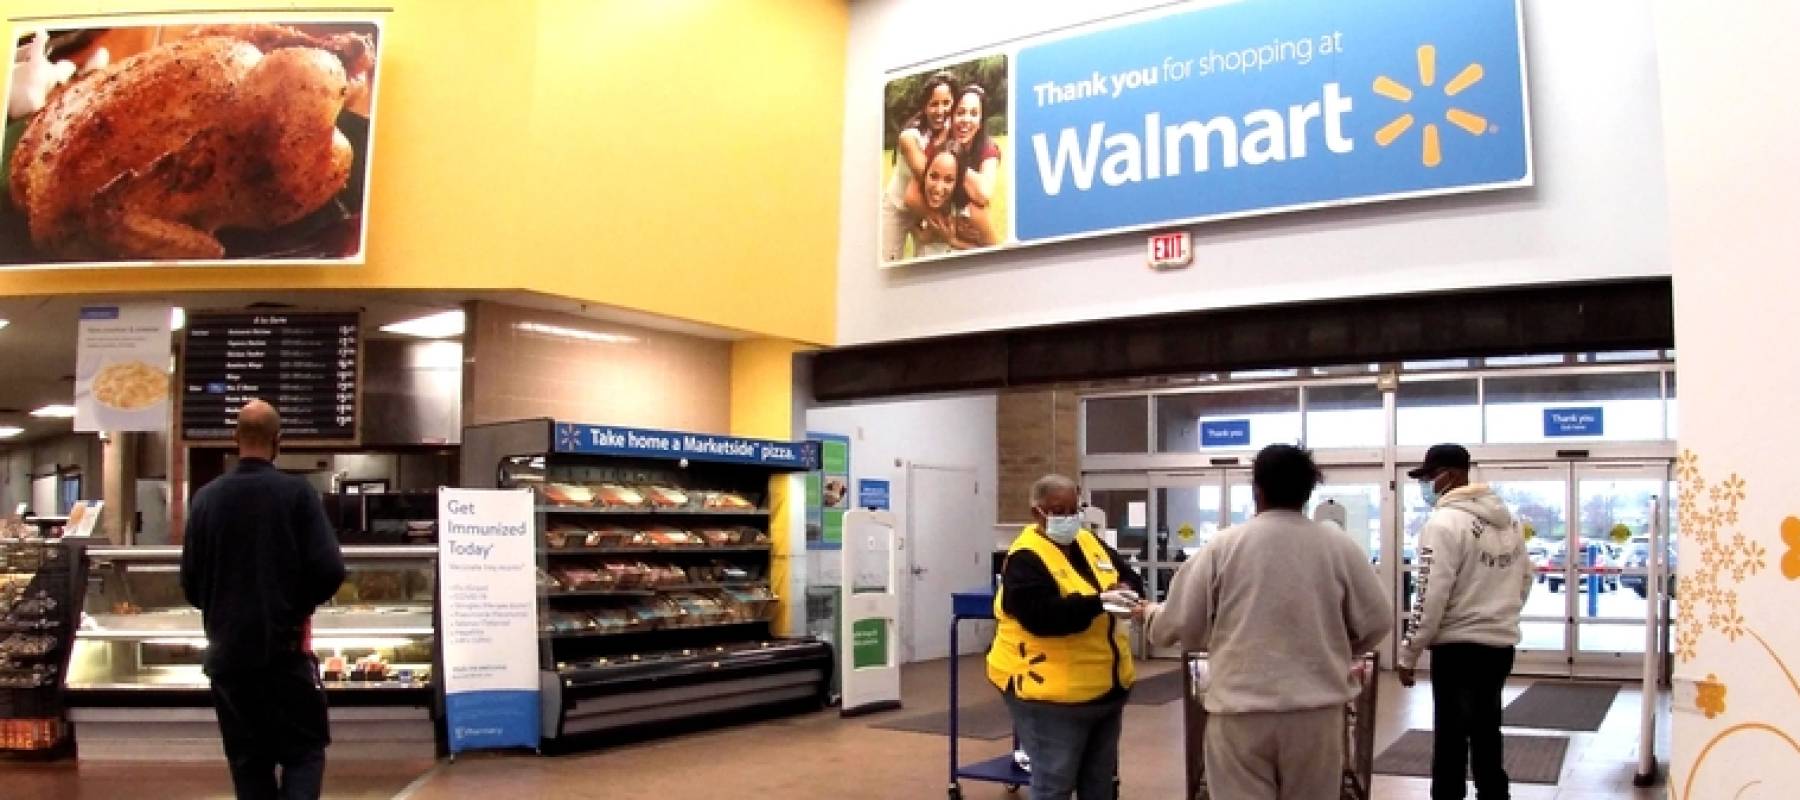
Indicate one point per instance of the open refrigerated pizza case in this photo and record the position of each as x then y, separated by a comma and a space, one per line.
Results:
136, 691
654, 558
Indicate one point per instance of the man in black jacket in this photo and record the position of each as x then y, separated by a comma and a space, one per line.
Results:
257, 558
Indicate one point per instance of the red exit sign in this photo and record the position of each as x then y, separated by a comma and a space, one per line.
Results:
1171, 250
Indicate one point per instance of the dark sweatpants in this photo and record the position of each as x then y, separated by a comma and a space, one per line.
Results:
274, 717
1466, 682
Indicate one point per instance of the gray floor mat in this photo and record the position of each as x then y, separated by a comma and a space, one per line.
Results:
1562, 706
1157, 689
988, 721
1529, 759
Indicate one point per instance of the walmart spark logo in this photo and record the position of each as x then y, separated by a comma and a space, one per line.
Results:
1431, 151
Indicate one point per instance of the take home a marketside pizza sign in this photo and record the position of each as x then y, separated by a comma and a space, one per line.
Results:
1248, 108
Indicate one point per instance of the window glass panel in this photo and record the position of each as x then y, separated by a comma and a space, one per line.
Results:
1431, 412
1440, 363
1674, 428
1630, 407
1186, 423
1117, 424
1526, 361
1345, 416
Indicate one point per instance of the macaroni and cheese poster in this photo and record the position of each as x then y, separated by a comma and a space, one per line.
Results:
1256, 107
122, 368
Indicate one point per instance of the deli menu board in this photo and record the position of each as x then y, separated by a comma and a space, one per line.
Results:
307, 363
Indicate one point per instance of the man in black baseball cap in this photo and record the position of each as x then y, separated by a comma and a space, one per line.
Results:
1443, 457
1473, 579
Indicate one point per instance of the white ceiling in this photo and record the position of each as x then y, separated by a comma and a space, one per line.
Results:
37, 350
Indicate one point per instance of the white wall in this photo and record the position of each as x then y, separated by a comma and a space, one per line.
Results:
1598, 210
1727, 78
945, 431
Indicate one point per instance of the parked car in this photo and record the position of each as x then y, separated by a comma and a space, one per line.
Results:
1637, 556
1607, 557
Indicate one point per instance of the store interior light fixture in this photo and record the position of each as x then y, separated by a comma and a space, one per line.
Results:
575, 334
9, 431
177, 318
442, 325
4, 322
55, 411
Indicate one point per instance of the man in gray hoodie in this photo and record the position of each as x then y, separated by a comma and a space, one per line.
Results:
1474, 577
1281, 605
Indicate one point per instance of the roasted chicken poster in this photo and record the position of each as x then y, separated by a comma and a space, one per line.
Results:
226, 141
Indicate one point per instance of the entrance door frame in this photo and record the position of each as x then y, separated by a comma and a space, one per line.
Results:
1573, 459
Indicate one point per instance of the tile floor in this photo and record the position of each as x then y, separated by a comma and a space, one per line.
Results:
816, 756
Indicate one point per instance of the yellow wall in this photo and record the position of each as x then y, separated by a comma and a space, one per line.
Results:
762, 405
678, 157
762, 388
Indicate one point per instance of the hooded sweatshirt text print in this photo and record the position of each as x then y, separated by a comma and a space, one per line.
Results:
1474, 575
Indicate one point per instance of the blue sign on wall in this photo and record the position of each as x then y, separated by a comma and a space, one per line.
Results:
1225, 433
608, 440
1587, 421
873, 494
1267, 105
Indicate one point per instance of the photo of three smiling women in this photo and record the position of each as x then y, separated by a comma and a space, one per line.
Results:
943, 190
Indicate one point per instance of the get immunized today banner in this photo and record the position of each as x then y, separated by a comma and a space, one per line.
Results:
1262, 106
487, 571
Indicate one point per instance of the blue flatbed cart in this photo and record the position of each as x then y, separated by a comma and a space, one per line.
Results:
1001, 770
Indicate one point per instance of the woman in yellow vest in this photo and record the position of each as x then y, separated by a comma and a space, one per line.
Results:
1062, 661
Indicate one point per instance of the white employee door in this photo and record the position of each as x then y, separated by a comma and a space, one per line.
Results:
946, 550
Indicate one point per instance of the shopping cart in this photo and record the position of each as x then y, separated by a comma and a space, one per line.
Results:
1001, 770
1359, 727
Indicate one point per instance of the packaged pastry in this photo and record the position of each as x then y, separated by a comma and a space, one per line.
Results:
752, 536
666, 497
720, 537
333, 669
568, 494
611, 536
369, 668
565, 534
568, 622
613, 620
547, 582
671, 537
728, 501
665, 575
612, 495
624, 574
577, 578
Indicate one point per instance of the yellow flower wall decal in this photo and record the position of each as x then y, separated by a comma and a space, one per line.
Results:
1711, 698
1708, 514
1790, 560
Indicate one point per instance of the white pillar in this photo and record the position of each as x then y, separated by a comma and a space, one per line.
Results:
1731, 123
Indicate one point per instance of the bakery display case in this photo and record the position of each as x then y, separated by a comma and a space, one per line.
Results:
135, 685
39, 604
654, 573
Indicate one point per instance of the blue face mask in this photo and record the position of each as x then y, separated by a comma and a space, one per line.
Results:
1062, 529
1428, 487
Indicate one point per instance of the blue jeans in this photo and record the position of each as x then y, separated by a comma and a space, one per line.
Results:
1074, 749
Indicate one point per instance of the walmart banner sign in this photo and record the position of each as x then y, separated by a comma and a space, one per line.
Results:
1203, 112
1268, 105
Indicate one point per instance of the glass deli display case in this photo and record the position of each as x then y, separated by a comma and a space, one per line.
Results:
654, 573
135, 686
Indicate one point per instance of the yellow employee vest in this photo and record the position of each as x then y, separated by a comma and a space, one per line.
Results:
1062, 669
